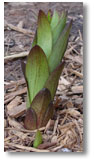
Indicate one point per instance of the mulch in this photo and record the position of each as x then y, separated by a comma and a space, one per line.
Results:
63, 133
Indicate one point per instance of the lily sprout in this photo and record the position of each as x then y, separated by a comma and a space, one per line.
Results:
44, 66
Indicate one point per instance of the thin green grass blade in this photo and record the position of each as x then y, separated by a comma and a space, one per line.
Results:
44, 34
59, 48
37, 71
53, 79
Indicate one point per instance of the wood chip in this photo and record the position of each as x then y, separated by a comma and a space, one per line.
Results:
77, 89
8, 100
55, 126
76, 73
81, 38
78, 59
46, 145
16, 93
15, 102
20, 134
79, 101
77, 125
18, 55
25, 148
13, 83
72, 111
69, 104
19, 29
17, 111
22, 129
49, 124
69, 50
20, 24
13, 123
8, 138
5, 123
63, 81
54, 139
56, 148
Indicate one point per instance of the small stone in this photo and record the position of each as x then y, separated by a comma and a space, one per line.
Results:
64, 150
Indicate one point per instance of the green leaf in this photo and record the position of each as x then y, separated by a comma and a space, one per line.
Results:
53, 79
44, 35
49, 16
28, 103
59, 48
37, 71
38, 139
55, 20
30, 121
59, 27
23, 65
35, 40
40, 104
